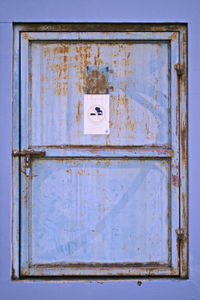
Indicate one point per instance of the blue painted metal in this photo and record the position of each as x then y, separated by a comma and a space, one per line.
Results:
140, 96
96, 211
144, 112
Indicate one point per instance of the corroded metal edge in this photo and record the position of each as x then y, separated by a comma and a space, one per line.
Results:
15, 162
103, 26
183, 79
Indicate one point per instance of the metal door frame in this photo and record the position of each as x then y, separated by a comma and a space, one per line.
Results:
181, 68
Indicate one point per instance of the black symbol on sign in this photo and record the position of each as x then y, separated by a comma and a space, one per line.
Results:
98, 112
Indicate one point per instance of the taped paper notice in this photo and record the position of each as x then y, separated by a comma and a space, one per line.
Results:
96, 114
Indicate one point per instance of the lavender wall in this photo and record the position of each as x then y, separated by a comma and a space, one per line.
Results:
99, 11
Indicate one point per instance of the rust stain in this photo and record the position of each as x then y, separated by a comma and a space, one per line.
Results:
82, 60
104, 27
107, 140
184, 266
25, 271
184, 206
78, 114
184, 81
46, 52
59, 68
60, 88
156, 105
122, 108
175, 180
96, 82
64, 49
183, 98
117, 112
26, 36
44, 77
174, 36
178, 242
69, 171
156, 92
171, 153
184, 142
169, 241
115, 63
104, 161
97, 59
177, 117
14, 276
81, 172
61, 76
147, 130
83, 54
107, 162
130, 124
30, 75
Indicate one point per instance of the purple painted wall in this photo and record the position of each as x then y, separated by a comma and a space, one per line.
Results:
101, 11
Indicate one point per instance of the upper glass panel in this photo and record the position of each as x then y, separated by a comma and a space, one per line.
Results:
136, 73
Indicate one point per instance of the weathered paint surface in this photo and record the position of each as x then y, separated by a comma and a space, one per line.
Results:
99, 211
101, 206
139, 93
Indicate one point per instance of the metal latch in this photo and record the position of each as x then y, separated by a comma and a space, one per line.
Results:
179, 69
28, 153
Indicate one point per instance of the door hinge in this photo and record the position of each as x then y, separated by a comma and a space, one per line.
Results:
179, 69
180, 234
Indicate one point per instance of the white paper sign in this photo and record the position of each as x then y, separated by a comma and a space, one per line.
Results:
96, 114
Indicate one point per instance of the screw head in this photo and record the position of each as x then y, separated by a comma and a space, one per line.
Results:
139, 283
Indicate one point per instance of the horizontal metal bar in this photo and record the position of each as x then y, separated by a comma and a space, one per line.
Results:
41, 36
108, 152
96, 264
103, 271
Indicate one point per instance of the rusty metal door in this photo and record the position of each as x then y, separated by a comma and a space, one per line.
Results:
97, 203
